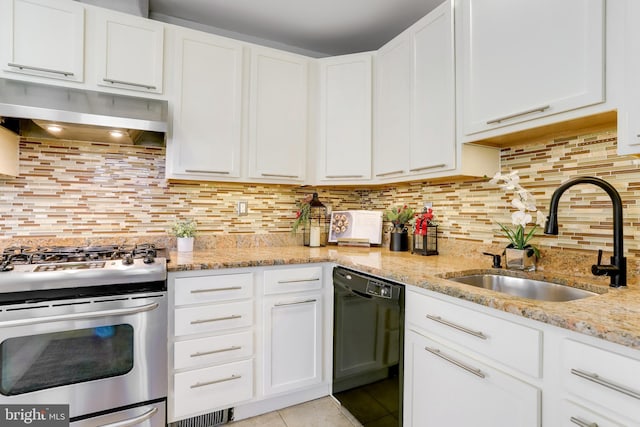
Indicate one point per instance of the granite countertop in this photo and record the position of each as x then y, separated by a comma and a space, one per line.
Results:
613, 316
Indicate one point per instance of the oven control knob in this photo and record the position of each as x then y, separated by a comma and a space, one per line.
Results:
148, 259
127, 260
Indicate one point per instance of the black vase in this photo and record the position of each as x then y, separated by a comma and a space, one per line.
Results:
399, 239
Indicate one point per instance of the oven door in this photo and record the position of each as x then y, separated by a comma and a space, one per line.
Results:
152, 415
93, 354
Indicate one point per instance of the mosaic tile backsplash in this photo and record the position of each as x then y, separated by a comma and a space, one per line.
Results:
75, 189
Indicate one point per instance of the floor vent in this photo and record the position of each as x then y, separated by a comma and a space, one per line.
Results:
207, 420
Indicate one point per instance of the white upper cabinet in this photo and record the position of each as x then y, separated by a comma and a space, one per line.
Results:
520, 60
43, 38
345, 118
129, 52
433, 139
392, 116
629, 114
277, 116
415, 107
207, 116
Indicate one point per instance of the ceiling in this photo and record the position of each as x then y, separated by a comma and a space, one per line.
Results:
314, 27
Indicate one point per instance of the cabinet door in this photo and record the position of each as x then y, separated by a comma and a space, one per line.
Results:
345, 118
130, 52
207, 117
393, 95
629, 114
523, 59
572, 415
278, 116
293, 342
433, 141
46, 38
445, 388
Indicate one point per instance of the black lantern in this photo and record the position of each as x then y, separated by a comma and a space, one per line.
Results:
425, 235
315, 232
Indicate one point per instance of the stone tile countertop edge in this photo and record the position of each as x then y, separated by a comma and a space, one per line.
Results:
613, 316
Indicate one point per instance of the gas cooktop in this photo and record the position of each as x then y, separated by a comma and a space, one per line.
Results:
27, 269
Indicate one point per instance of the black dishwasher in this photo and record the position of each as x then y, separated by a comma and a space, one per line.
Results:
368, 332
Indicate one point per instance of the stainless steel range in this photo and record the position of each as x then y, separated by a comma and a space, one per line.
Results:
87, 327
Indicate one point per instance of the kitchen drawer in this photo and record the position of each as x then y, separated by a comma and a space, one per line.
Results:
202, 289
212, 350
209, 389
572, 414
602, 377
212, 318
292, 280
513, 345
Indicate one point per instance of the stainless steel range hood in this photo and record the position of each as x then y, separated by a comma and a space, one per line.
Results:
25, 100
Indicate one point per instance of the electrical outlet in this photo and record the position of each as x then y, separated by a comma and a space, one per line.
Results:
428, 205
243, 208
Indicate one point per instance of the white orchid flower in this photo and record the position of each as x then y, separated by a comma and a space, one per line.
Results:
520, 218
541, 219
517, 203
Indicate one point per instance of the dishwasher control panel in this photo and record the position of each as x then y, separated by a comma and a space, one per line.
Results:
379, 289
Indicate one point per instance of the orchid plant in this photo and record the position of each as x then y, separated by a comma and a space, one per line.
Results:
525, 204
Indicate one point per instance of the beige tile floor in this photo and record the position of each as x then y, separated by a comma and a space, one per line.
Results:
324, 412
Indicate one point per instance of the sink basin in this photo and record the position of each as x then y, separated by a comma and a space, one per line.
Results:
522, 287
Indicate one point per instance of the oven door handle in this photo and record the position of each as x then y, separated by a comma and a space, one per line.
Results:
80, 316
133, 421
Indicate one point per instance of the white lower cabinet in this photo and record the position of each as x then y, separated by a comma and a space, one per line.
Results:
292, 326
211, 342
219, 386
292, 342
253, 339
463, 367
466, 364
605, 382
571, 415
445, 388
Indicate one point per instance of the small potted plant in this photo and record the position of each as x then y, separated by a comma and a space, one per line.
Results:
185, 231
520, 253
399, 216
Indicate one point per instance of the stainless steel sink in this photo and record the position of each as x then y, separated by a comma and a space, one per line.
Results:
522, 287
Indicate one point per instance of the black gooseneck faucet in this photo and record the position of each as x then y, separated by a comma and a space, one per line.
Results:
617, 270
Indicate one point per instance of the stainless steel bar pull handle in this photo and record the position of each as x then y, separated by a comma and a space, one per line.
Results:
81, 316
231, 378
522, 113
203, 171
215, 319
277, 175
475, 371
389, 173
121, 82
313, 279
281, 304
439, 319
344, 176
581, 423
222, 350
230, 288
423, 168
133, 421
45, 70
605, 383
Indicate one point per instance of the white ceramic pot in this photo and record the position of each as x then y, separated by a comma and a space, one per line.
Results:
185, 244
